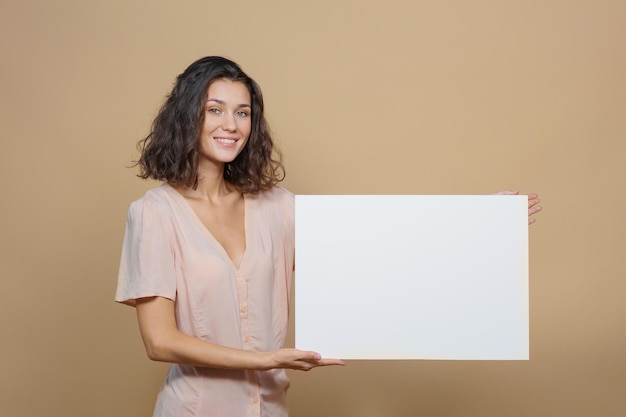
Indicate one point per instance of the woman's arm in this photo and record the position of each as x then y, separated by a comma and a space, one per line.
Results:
165, 343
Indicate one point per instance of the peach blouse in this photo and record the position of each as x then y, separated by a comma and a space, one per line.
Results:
168, 252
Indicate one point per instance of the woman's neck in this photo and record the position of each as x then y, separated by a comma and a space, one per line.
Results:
211, 184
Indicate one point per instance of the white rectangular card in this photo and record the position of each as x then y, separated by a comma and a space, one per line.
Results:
412, 276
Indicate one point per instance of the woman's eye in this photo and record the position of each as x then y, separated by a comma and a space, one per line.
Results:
214, 110
242, 113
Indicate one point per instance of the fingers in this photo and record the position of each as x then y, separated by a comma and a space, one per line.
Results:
302, 360
314, 359
533, 200
533, 207
330, 362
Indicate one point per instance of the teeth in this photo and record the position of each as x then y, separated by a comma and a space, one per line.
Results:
226, 141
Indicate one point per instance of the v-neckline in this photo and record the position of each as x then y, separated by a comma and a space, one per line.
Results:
200, 224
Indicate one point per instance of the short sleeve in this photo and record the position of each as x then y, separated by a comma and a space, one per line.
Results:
147, 265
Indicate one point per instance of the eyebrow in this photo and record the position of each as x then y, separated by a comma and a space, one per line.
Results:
222, 102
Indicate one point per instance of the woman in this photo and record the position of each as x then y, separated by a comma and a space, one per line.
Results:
208, 255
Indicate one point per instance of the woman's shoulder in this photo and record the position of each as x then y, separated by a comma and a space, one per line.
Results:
157, 199
281, 192
276, 198
158, 194
276, 194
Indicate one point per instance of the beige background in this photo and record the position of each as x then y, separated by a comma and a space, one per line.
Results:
417, 97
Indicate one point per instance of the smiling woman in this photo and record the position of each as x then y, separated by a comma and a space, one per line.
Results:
170, 152
208, 255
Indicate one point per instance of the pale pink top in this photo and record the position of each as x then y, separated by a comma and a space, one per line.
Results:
168, 252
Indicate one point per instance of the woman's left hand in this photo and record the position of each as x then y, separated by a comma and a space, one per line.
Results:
533, 201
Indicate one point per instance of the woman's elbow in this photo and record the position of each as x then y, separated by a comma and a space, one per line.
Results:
153, 354
157, 349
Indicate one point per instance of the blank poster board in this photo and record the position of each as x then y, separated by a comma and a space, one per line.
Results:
412, 276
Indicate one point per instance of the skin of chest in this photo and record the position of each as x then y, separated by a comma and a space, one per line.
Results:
226, 222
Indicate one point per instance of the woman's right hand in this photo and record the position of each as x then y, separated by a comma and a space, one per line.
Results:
290, 358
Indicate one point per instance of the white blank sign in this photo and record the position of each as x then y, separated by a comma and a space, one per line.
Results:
412, 276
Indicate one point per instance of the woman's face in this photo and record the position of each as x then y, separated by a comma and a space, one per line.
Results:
227, 121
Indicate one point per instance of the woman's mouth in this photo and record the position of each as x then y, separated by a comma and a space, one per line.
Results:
225, 141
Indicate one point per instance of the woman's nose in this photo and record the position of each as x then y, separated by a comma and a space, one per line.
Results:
228, 122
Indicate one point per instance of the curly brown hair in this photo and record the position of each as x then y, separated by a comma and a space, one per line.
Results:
170, 152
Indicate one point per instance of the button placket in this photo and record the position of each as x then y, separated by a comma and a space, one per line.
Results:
242, 291
255, 394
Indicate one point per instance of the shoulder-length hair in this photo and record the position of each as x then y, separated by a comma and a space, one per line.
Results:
170, 152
